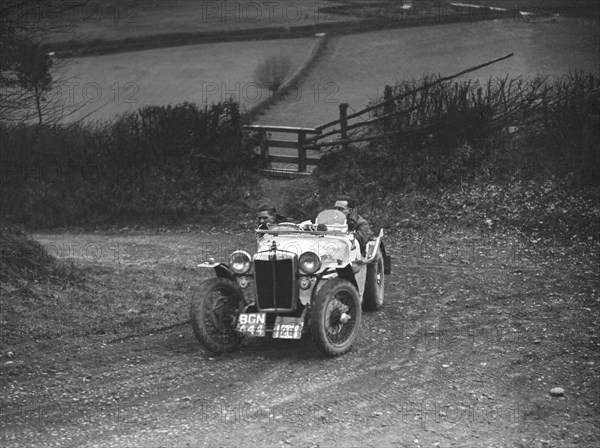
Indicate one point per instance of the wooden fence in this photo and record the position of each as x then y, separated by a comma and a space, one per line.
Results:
342, 129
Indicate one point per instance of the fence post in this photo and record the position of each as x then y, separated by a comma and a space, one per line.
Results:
344, 124
236, 124
545, 107
264, 148
301, 152
388, 108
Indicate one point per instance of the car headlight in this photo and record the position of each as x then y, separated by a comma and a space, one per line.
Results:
309, 262
240, 261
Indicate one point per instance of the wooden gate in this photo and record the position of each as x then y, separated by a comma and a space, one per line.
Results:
286, 157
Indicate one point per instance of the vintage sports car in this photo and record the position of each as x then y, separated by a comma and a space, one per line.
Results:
303, 278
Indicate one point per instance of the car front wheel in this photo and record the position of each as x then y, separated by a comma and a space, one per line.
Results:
214, 313
336, 317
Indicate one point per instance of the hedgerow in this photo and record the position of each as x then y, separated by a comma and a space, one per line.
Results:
165, 163
513, 153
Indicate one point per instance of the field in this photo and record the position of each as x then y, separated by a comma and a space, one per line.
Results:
212, 72
357, 67
114, 20
207, 73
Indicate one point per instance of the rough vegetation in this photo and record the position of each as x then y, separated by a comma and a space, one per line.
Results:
530, 164
159, 164
27, 269
22, 258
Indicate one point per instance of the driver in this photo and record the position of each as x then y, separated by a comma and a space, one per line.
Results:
356, 223
267, 214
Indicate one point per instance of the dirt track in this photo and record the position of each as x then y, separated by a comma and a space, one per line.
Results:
464, 353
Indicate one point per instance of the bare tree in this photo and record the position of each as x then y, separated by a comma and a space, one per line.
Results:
30, 79
273, 71
33, 73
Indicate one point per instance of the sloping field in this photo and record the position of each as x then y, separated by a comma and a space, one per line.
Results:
208, 73
357, 67
113, 20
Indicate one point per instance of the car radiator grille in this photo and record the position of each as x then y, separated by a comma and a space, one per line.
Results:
275, 284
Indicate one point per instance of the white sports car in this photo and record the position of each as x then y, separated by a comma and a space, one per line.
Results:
303, 278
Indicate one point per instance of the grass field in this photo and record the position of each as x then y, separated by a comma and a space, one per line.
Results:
207, 73
114, 20
357, 67
354, 69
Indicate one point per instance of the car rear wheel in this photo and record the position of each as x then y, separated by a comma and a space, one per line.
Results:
214, 313
374, 284
336, 317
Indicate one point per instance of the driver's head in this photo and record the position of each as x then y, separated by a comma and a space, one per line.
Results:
345, 205
266, 214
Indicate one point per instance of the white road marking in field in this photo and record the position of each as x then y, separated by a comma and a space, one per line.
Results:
493, 8
468, 5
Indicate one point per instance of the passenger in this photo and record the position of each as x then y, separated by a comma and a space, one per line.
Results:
356, 223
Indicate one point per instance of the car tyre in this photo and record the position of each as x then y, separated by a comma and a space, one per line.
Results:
374, 284
214, 312
336, 317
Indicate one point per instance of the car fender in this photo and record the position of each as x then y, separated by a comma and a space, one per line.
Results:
347, 273
372, 253
222, 270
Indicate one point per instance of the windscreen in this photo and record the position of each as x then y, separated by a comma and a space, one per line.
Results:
331, 217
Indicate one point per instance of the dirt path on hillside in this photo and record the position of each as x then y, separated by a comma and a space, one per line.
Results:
463, 354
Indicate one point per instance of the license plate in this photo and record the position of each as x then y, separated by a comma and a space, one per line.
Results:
288, 327
252, 324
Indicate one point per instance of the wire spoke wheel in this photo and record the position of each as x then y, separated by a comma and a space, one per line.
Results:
340, 318
220, 316
337, 316
214, 314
